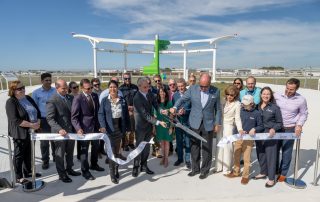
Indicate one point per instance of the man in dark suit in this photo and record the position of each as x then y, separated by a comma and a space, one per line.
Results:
59, 119
84, 117
205, 119
143, 102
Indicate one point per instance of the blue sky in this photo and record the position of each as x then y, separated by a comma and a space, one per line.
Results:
35, 34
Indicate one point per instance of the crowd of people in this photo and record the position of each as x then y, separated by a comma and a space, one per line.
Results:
130, 114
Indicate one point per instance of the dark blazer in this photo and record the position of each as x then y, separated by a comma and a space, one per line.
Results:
210, 114
16, 114
59, 113
81, 115
105, 116
143, 114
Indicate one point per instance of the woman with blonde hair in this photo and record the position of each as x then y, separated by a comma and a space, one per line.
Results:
231, 119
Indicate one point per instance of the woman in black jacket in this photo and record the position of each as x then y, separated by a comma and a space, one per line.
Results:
23, 114
114, 119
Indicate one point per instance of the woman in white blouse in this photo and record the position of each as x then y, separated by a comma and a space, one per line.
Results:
231, 119
114, 119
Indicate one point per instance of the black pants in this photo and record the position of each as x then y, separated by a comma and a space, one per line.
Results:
64, 152
206, 150
142, 158
267, 156
22, 157
84, 154
44, 144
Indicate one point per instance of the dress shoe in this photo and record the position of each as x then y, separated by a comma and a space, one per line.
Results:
193, 173
114, 180
96, 167
45, 165
231, 175
116, 172
244, 181
147, 170
188, 164
177, 163
88, 176
120, 156
73, 172
135, 171
203, 175
30, 175
54, 158
281, 178
131, 146
126, 148
65, 178
270, 185
261, 177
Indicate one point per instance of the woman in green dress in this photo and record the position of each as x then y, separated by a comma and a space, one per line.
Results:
162, 134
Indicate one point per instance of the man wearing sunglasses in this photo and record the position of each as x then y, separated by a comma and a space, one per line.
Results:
41, 96
129, 90
84, 118
205, 119
158, 83
96, 86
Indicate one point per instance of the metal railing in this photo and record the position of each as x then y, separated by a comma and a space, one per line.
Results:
315, 176
12, 182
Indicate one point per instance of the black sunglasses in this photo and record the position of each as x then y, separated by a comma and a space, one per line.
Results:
21, 88
75, 87
97, 84
127, 78
157, 81
90, 88
237, 83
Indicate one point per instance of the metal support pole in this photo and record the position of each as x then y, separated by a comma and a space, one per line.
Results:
12, 173
214, 56
34, 185
125, 58
95, 59
294, 182
185, 73
315, 176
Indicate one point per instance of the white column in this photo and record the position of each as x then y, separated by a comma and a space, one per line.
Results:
185, 73
125, 58
95, 60
213, 77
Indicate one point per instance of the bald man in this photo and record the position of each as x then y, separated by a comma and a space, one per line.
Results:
204, 119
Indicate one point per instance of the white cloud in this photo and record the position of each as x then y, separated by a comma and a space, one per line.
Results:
288, 42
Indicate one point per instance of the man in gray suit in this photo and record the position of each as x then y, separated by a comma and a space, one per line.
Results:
143, 102
59, 119
204, 119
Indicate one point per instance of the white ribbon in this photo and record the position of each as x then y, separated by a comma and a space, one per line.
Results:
93, 136
257, 136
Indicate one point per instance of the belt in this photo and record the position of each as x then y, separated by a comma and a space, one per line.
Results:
290, 127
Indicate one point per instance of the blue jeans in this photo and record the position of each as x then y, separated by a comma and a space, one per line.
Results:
181, 137
286, 146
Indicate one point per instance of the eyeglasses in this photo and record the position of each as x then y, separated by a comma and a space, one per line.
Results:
96, 84
75, 87
127, 78
172, 84
90, 88
21, 88
232, 95
157, 81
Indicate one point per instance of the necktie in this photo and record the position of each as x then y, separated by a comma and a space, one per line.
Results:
90, 102
67, 103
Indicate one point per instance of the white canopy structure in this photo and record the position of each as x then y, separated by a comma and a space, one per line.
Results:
212, 46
